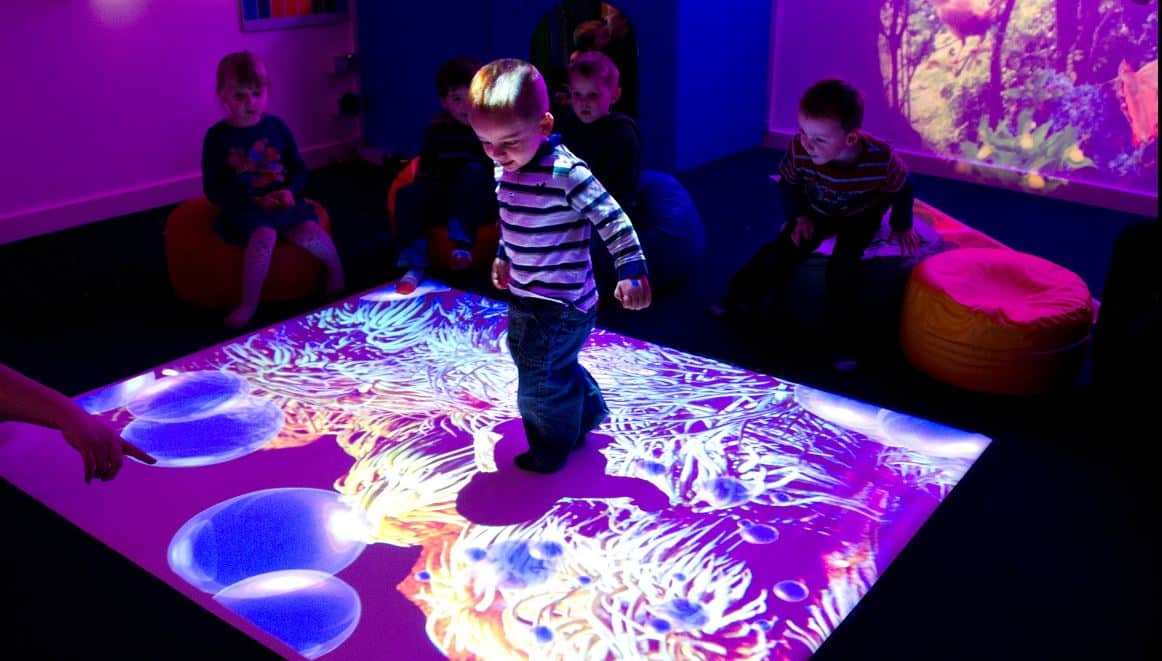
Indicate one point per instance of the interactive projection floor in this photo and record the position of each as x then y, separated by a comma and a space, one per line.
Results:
342, 484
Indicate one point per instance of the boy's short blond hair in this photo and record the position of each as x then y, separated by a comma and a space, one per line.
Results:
509, 87
243, 68
595, 65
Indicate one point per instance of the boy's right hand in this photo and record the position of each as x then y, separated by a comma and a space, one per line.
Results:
500, 269
803, 229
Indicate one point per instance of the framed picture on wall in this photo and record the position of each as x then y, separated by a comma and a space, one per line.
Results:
280, 14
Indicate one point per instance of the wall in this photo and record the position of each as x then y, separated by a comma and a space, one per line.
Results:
106, 102
723, 56
401, 54
1051, 97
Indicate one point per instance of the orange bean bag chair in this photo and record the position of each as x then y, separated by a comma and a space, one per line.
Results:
996, 321
439, 245
206, 270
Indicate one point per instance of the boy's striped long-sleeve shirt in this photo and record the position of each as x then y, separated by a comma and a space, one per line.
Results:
548, 210
876, 180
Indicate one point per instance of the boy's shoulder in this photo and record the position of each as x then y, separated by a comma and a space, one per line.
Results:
556, 159
875, 148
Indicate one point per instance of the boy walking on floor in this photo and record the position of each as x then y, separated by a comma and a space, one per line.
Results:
549, 204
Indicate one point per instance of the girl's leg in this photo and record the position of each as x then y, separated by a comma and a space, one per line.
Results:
255, 265
311, 237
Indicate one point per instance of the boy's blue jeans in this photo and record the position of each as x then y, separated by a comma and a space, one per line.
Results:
558, 399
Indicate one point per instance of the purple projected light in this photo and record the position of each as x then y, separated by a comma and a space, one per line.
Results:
718, 513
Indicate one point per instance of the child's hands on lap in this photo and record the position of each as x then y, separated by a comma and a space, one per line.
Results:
803, 229
276, 199
908, 241
283, 198
500, 270
634, 293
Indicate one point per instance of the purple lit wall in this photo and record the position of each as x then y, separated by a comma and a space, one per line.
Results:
1048, 96
107, 101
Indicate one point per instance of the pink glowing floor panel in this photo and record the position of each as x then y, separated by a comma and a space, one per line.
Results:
342, 484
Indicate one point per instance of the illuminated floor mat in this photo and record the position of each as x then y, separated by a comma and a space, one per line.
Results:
343, 484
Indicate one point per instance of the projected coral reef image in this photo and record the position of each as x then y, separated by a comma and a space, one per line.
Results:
343, 484
1033, 93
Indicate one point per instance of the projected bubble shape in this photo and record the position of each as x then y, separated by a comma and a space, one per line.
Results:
236, 429
115, 396
186, 396
930, 437
266, 531
847, 413
311, 611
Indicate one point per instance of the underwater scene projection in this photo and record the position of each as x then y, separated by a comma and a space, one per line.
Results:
1033, 94
342, 484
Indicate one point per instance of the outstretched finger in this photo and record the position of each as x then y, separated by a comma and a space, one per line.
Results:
137, 453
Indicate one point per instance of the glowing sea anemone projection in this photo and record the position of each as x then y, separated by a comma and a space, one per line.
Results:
593, 580
407, 479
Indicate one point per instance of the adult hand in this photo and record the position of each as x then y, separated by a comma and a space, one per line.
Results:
101, 448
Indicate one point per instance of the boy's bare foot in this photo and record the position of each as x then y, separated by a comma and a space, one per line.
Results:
460, 261
408, 282
240, 316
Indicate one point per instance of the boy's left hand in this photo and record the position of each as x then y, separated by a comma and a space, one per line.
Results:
634, 293
908, 241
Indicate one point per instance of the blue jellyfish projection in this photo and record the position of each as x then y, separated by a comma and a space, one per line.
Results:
233, 430
115, 396
929, 437
266, 531
791, 591
836, 409
186, 396
311, 611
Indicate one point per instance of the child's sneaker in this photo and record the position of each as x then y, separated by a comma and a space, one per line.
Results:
461, 259
409, 281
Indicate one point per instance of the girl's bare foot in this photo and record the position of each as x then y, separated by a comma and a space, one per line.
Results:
240, 316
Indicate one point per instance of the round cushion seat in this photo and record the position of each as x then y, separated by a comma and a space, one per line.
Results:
206, 270
996, 321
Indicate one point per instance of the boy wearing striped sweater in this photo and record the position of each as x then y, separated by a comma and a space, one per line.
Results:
835, 180
549, 204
